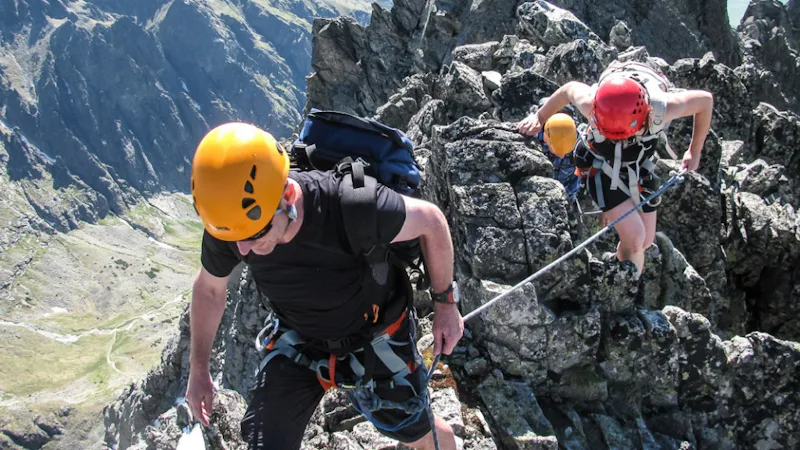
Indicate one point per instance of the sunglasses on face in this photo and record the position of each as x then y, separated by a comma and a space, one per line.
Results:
264, 230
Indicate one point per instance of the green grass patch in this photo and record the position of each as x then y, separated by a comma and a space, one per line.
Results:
134, 355
48, 365
184, 234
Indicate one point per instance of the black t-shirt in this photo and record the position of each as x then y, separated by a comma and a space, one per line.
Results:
313, 281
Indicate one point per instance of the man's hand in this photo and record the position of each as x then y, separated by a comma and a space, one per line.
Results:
448, 327
529, 125
200, 395
690, 161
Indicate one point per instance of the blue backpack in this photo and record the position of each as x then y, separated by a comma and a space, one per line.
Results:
364, 152
328, 137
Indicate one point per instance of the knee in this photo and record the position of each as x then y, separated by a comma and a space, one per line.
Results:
632, 242
444, 434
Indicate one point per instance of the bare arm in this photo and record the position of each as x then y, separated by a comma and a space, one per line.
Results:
699, 104
208, 305
426, 221
579, 94
575, 92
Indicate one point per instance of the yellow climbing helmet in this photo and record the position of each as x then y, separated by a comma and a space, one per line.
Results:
560, 134
238, 175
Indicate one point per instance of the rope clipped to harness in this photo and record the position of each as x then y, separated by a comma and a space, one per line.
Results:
678, 177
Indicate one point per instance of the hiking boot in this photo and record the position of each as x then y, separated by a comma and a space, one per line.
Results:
628, 268
609, 257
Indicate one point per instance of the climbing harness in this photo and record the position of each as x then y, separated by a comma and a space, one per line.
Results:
678, 177
359, 384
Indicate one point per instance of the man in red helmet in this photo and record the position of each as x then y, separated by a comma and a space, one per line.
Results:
628, 111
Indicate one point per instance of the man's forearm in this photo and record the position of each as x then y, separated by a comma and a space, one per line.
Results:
205, 314
437, 248
702, 124
699, 104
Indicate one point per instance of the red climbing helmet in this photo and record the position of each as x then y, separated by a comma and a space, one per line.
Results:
620, 107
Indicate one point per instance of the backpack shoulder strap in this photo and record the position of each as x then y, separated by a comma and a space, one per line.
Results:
359, 202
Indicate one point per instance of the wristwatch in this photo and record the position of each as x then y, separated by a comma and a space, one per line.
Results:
450, 295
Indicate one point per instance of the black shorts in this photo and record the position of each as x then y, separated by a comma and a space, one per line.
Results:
286, 395
614, 198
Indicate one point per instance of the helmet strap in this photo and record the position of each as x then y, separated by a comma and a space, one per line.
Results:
291, 213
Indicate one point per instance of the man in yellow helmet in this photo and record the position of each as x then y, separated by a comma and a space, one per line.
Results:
558, 138
288, 227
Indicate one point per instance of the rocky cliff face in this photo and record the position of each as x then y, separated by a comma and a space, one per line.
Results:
700, 352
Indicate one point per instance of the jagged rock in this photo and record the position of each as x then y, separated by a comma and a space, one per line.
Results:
731, 119
543, 205
620, 36
477, 56
734, 385
640, 352
770, 182
356, 69
769, 36
527, 56
462, 90
549, 25
506, 50
733, 153
337, 44
680, 284
580, 60
690, 215
407, 102
519, 91
774, 136
489, 20
420, 128
763, 252
521, 421
659, 26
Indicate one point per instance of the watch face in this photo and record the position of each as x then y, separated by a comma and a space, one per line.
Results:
456, 293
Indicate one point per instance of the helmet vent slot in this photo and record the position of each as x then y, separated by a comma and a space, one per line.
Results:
253, 172
247, 202
248, 187
255, 213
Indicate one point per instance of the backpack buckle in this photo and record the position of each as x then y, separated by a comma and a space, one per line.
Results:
299, 155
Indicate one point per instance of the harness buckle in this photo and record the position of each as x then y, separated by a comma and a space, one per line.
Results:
334, 345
